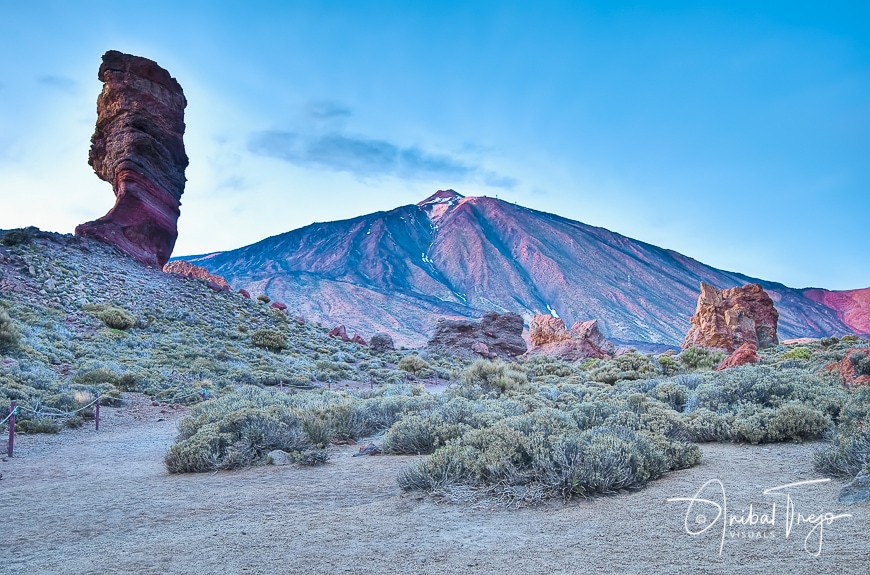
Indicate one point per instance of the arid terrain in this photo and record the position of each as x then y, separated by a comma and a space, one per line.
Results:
102, 502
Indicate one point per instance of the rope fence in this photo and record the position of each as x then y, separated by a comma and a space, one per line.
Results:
14, 409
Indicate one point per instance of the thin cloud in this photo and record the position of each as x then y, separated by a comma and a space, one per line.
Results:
359, 156
57, 82
326, 110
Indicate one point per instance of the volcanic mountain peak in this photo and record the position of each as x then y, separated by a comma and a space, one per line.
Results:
442, 197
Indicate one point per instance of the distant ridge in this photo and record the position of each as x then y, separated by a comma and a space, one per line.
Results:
457, 256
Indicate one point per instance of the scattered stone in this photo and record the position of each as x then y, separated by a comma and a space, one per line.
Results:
278, 457
741, 356
278, 305
480, 348
245, 294
138, 147
370, 449
213, 286
501, 333
381, 342
729, 318
9, 362
300, 320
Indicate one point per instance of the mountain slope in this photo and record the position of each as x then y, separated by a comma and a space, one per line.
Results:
453, 256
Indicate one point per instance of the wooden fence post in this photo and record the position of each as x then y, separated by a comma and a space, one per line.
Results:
97, 413
12, 409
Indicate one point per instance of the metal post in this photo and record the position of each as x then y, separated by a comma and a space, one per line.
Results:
13, 408
97, 413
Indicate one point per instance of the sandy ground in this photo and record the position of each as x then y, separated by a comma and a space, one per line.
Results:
102, 502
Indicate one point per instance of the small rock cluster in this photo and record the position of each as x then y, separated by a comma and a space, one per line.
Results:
584, 340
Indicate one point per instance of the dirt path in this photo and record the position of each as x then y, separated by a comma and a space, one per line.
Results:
88, 502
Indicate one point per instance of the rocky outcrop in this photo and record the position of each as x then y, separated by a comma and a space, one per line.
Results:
358, 339
584, 341
381, 342
855, 367
730, 318
138, 148
190, 271
544, 329
741, 356
501, 334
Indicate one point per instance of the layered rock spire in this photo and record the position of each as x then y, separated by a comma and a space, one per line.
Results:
138, 147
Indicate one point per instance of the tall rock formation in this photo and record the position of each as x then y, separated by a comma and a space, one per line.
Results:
495, 335
137, 147
729, 318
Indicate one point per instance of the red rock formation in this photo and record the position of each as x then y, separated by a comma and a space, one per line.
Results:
245, 293
728, 319
583, 341
545, 329
855, 367
190, 271
138, 148
741, 356
502, 334
357, 338
340, 332
278, 305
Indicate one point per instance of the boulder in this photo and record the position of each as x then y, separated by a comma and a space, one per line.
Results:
741, 356
381, 342
340, 332
858, 491
583, 341
278, 305
138, 147
501, 333
245, 293
278, 457
190, 271
855, 367
729, 318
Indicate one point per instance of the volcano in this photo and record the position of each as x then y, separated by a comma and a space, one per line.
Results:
456, 256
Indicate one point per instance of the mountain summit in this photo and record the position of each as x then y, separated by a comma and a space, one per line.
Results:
457, 256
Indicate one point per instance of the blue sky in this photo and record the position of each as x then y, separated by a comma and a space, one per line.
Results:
737, 133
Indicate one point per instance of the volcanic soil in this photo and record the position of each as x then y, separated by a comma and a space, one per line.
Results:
85, 501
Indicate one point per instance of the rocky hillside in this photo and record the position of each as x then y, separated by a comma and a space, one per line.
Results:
454, 256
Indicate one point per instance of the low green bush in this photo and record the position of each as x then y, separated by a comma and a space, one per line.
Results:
269, 339
413, 364
8, 331
700, 358
117, 318
495, 376
798, 353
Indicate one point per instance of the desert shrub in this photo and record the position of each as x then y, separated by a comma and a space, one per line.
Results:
861, 361
504, 461
793, 421
668, 364
495, 375
37, 425
264, 298
829, 341
17, 237
628, 366
700, 358
117, 318
413, 364
797, 353
543, 365
849, 449
850, 339
8, 331
674, 394
269, 339
420, 434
